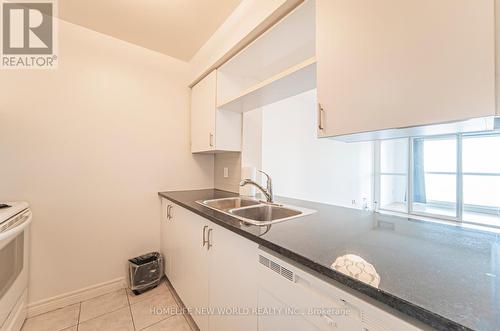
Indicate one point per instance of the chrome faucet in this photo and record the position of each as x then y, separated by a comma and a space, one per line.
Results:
268, 192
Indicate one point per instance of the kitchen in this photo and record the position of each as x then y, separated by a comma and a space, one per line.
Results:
298, 165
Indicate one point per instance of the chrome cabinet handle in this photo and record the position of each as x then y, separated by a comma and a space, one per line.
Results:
320, 117
205, 241
209, 240
211, 140
169, 210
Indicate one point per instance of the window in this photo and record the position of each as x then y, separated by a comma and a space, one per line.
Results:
454, 177
394, 174
481, 179
434, 176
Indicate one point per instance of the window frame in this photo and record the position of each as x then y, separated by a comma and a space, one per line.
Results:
459, 205
378, 176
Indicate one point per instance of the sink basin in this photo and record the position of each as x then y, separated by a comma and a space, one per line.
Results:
230, 203
255, 212
265, 214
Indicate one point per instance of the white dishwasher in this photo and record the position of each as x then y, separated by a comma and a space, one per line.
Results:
290, 299
293, 299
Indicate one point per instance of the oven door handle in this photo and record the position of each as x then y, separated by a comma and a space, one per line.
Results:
16, 228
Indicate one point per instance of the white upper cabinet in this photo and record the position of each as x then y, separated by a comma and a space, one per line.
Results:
279, 64
212, 130
401, 63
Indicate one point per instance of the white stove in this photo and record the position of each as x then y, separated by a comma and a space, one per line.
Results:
15, 223
13, 209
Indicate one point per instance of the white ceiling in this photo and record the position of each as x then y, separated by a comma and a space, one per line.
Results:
173, 27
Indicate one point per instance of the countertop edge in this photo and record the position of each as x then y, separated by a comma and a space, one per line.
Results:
421, 314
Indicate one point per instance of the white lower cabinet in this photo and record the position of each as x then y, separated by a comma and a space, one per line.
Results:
186, 260
213, 270
191, 267
166, 235
233, 280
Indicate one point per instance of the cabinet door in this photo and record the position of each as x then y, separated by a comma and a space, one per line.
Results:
175, 245
191, 263
171, 244
233, 279
203, 114
166, 236
399, 63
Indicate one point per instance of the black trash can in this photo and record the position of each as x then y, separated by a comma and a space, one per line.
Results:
145, 272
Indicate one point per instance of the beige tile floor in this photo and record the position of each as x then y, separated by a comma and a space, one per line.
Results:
118, 311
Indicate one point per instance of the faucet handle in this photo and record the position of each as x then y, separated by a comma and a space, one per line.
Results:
267, 176
269, 182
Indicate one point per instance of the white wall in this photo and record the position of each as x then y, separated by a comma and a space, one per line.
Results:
305, 167
252, 139
89, 145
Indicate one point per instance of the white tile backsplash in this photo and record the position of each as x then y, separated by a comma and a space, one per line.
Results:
231, 161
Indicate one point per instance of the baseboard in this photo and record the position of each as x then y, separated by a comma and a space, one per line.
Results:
189, 318
66, 299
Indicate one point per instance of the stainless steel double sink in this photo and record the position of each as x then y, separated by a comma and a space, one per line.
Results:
254, 211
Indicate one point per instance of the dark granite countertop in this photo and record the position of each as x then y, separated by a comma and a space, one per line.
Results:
445, 276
